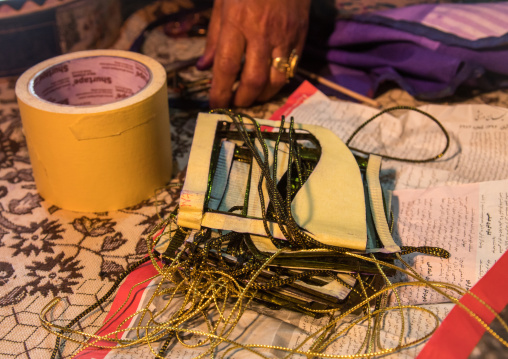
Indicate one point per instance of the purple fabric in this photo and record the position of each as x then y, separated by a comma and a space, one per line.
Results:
475, 26
482, 20
352, 33
414, 13
362, 56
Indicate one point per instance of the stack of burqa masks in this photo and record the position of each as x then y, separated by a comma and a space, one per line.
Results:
257, 187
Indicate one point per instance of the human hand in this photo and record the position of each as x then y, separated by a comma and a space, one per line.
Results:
260, 30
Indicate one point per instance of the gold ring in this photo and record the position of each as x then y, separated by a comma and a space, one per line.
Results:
286, 65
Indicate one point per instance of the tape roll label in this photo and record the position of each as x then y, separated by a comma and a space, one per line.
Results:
91, 81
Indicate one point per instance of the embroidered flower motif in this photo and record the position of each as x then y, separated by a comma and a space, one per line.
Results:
3, 232
13, 297
113, 242
12, 116
110, 270
93, 227
145, 203
3, 191
8, 148
16, 176
151, 221
141, 247
6, 272
26, 204
39, 239
56, 275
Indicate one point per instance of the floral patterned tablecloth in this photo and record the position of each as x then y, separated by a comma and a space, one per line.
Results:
47, 252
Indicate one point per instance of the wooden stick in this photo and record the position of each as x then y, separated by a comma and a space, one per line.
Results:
339, 88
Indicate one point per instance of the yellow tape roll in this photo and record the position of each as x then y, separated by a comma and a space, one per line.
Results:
97, 128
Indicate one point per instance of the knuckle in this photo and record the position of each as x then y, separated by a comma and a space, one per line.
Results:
254, 81
227, 64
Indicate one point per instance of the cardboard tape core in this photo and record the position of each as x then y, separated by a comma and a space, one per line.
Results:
89, 81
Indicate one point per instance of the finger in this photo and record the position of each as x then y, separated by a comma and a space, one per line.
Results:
277, 78
212, 36
227, 64
255, 73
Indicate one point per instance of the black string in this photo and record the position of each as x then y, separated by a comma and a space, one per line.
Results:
441, 127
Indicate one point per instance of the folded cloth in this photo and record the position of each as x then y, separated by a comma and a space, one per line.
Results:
480, 25
428, 50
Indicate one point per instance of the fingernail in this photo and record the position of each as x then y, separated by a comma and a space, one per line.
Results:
201, 63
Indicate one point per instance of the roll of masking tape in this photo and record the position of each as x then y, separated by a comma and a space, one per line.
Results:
97, 128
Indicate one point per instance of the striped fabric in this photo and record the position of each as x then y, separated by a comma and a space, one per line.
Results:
470, 21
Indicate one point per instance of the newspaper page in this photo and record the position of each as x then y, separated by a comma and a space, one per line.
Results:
469, 221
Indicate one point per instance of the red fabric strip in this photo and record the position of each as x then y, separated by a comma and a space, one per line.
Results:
304, 91
145, 271
459, 333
